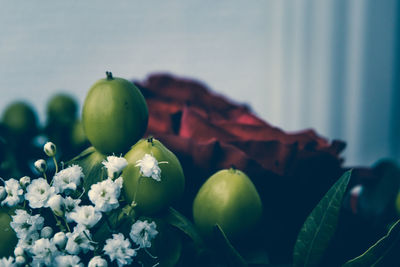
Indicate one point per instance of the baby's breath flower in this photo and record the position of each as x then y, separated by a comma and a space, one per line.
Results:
27, 242
38, 193
86, 215
3, 192
114, 165
7, 262
104, 195
25, 225
43, 252
70, 206
143, 232
50, 149
78, 240
24, 181
118, 248
18, 251
46, 232
60, 239
68, 179
68, 261
149, 167
14, 193
19, 260
56, 204
97, 261
41, 165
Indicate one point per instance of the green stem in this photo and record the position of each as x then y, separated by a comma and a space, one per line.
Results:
136, 190
55, 163
109, 75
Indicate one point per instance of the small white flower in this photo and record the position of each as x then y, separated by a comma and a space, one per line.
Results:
27, 242
50, 149
19, 260
24, 181
86, 215
68, 261
56, 204
142, 233
70, 206
40, 165
104, 195
24, 224
46, 232
7, 262
118, 248
97, 261
60, 239
114, 165
18, 251
68, 179
78, 240
3, 192
14, 193
149, 167
38, 193
43, 252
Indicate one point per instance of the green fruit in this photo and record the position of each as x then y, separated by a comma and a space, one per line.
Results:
61, 110
228, 198
20, 120
78, 137
114, 115
8, 237
151, 195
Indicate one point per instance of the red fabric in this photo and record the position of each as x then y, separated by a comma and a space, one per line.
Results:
209, 132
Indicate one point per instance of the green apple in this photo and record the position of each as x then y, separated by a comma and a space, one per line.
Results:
21, 120
114, 115
149, 194
8, 237
228, 198
61, 110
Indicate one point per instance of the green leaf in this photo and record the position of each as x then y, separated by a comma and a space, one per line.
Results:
320, 225
91, 162
176, 219
232, 257
382, 252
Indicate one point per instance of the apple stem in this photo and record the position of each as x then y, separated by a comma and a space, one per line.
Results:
109, 75
150, 139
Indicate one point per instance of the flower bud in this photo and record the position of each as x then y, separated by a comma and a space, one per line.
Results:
18, 251
56, 204
60, 239
3, 192
41, 165
24, 181
19, 260
97, 261
50, 149
46, 232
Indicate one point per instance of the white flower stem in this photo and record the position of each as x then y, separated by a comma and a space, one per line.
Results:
66, 224
55, 163
44, 175
136, 189
151, 255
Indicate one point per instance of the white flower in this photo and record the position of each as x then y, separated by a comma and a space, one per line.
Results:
46, 232
56, 204
40, 165
114, 165
78, 240
38, 193
24, 224
68, 179
97, 261
60, 239
43, 252
3, 192
118, 248
149, 167
68, 261
86, 215
142, 233
24, 181
70, 206
19, 260
18, 251
50, 149
14, 193
4, 262
27, 242
104, 195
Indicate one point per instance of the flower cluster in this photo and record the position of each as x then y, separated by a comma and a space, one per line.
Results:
70, 239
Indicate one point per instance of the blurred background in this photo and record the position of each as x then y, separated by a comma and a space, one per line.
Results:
331, 65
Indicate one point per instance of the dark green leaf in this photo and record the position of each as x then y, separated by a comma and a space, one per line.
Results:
382, 252
176, 219
320, 225
232, 257
91, 162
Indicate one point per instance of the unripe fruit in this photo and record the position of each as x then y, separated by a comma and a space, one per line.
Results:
21, 121
114, 115
62, 110
151, 195
228, 198
8, 237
